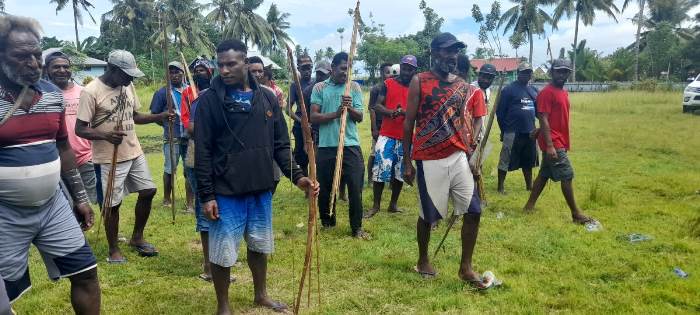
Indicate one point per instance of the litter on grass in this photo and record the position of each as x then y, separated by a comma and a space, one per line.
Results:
489, 278
594, 226
637, 237
680, 273
500, 215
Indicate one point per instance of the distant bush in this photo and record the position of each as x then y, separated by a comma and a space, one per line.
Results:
87, 80
648, 85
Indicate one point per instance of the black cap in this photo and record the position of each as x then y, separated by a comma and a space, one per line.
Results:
445, 40
561, 64
488, 68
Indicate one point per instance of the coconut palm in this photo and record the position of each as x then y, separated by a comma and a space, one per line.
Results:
639, 19
77, 14
674, 12
279, 24
2, 6
585, 11
183, 24
247, 25
528, 18
222, 10
133, 15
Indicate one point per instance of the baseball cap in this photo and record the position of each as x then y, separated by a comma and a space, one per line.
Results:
523, 66
561, 64
176, 65
445, 40
488, 68
323, 66
410, 59
124, 60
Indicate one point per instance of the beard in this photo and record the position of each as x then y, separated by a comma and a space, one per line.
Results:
445, 67
13, 76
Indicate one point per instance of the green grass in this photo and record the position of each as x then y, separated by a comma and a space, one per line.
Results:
636, 160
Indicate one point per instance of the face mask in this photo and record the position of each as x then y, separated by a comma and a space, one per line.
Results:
202, 82
445, 67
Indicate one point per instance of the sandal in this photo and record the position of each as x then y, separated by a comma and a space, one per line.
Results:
116, 261
207, 278
145, 249
276, 306
425, 274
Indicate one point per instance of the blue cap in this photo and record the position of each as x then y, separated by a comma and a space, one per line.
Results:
410, 59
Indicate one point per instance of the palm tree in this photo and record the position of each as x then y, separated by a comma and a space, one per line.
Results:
585, 12
221, 13
133, 15
2, 6
248, 25
526, 17
279, 24
639, 19
340, 31
183, 24
672, 11
77, 15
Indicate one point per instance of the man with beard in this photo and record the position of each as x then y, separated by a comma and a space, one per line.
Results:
375, 120
57, 67
34, 156
553, 113
106, 115
328, 100
388, 152
240, 132
439, 104
159, 104
304, 66
516, 119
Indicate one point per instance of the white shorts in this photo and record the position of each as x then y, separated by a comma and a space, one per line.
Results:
438, 180
131, 176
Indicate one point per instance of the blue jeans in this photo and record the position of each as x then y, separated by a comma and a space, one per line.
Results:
181, 144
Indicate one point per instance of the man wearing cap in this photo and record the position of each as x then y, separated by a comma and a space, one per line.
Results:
376, 119
107, 113
553, 136
388, 152
305, 67
34, 156
323, 72
159, 104
57, 67
516, 119
439, 107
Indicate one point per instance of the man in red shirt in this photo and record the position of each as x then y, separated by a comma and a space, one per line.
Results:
388, 152
440, 107
553, 113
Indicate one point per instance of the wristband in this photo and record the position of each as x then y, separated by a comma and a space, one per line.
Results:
75, 186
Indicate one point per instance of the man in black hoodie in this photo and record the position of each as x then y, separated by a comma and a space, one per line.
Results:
240, 132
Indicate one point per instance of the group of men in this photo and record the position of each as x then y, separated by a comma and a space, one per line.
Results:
54, 133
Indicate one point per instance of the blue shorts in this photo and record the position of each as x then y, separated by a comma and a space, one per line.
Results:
388, 160
248, 216
181, 144
202, 224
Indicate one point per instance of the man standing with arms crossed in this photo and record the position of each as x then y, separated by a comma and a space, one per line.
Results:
388, 152
438, 108
553, 113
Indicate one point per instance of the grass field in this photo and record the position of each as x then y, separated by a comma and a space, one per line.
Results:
637, 171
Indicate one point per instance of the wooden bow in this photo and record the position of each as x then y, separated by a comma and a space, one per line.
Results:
344, 113
171, 124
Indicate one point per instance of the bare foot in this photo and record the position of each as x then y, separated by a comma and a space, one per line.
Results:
394, 209
116, 255
425, 269
370, 213
581, 219
276, 306
469, 276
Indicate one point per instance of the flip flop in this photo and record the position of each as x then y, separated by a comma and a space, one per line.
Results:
145, 249
425, 274
116, 261
277, 307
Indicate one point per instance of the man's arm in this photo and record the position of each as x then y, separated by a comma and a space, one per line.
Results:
74, 183
158, 104
83, 130
501, 110
379, 104
293, 99
547, 135
282, 148
408, 126
203, 137
142, 119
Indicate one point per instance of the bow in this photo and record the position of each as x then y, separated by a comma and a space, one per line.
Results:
169, 101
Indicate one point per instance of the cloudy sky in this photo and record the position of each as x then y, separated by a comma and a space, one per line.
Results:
314, 23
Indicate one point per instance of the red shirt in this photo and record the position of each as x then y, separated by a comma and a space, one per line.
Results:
555, 102
444, 118
185, 104
396, 95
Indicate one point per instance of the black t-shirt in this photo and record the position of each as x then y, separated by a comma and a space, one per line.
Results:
293, 98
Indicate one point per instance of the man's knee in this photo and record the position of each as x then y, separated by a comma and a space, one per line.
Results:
148, 193
86, 277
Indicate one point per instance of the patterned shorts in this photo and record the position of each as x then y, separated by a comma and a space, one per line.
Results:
388, 160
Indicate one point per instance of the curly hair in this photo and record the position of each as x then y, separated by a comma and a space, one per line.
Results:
9, 23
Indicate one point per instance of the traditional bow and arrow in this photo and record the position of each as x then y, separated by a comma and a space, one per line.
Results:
344, 113
478, 178
169, 101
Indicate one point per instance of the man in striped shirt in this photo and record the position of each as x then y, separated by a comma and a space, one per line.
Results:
34, 156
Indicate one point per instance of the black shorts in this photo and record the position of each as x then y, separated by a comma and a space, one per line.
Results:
519, 151
559, 169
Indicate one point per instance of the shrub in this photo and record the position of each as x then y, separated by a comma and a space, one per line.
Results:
87, 80
648, 85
